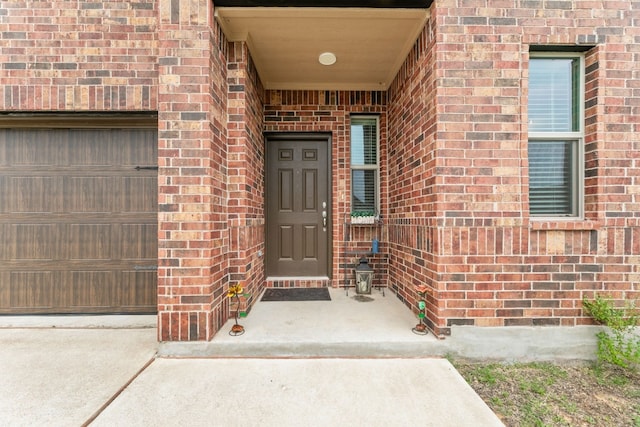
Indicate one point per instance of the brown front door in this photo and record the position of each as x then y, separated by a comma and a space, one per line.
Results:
78, 221
298, 206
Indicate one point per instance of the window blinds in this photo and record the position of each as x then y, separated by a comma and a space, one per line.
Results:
363, 190
364, 144
550, 177
552, 95
364, 164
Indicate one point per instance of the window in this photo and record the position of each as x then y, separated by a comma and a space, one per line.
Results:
364, 164
556, 133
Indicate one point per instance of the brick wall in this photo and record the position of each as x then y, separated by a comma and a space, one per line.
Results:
487, 262
414, 175
453, 156
69, 55
193, 235
245, 145
329, 111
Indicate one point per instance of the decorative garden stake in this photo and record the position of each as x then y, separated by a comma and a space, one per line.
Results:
421, 328
236, 291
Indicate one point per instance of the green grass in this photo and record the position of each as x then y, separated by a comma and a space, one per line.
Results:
547, 394
488, 374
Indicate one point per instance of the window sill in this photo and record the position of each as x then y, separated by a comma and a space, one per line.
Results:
362, 224
561, 224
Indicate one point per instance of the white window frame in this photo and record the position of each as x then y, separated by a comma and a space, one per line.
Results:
576, 139
375, 167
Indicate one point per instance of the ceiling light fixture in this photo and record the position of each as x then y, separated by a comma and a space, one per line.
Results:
327, 58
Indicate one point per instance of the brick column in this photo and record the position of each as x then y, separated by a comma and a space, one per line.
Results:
193, 232
414, 169
246, 172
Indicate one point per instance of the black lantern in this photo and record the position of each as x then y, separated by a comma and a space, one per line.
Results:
364, 277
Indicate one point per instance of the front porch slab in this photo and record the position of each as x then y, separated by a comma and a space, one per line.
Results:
365, 326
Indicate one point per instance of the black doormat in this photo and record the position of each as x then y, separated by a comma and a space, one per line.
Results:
296, 294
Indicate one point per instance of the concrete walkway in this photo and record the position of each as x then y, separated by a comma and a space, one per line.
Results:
295, 368
299, 392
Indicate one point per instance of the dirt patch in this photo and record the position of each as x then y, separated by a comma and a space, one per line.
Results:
546, 394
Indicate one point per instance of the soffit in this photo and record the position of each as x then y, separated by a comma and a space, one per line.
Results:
370, 44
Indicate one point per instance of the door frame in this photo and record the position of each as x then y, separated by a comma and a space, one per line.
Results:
327, 138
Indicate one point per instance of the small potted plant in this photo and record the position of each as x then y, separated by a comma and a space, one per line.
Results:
363, 217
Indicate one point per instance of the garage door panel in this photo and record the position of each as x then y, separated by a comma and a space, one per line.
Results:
33, 194
93, 289
91, 194
135, 246
4, 154
138, 193
33, 241
24, 147
5, 291
139, 286
5, 188
90, 242
89, 148
6, 251
131, 153
76, 220
31, 289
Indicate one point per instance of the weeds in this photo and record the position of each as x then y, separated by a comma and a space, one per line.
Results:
619, 344
488, 374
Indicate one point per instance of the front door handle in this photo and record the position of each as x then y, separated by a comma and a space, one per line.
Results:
324, 218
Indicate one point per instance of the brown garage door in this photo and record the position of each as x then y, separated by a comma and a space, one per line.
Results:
78, 220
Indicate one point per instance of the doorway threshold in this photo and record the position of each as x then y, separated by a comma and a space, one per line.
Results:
298, 282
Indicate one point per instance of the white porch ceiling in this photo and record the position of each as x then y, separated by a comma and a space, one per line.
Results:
370, 44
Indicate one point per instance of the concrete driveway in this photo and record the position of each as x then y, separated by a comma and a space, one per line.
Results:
67, 376
62, 377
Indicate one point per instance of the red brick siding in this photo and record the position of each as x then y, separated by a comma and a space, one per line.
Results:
413, 177
329, 111
593, 133
495, 266
454, 178
193, 219
68, 55
246, 171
